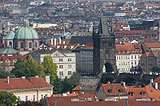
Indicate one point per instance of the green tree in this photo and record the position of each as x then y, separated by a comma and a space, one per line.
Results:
31, 67
72, 82
66, 85
57, 86
28, 68
19, 69
4, 73
7, 99
74, 79
50, 68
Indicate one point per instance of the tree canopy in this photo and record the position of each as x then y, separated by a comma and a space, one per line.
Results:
7, 99
50, 68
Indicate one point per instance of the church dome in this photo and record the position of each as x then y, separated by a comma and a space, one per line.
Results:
26, 32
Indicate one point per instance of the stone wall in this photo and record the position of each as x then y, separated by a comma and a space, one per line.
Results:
89, 84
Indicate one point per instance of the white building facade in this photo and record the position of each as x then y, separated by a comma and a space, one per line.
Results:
65, 60
127, 62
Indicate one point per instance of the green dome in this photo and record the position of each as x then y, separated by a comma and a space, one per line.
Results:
10, 35
26, 32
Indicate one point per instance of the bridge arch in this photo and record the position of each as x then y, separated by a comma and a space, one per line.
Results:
109, 67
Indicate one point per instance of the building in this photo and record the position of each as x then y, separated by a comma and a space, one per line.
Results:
148, 61
27, 88
112, 92
104, 48
24, 40
128, 57
9, 56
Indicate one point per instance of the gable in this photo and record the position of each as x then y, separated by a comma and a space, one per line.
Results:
57, 54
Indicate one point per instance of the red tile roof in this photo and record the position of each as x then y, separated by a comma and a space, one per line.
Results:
77, 88
62, 102
152, 45
20, 84
114, 89
137, 92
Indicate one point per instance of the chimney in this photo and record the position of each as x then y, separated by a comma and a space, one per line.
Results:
156, 86
60, 40
123, 84
151, 81
47, 78
55, 43
51, 41
23, 77
8, 79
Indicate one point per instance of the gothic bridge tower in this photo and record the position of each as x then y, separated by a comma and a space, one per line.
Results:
104, 48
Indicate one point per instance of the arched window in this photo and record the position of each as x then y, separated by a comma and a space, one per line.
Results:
10, 43
30, 44
7, 62
14, 61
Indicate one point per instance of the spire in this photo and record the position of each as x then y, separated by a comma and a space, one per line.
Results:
26, 23
103, 26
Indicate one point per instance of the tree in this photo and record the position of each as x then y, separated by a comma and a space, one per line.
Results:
4, 73
7, 99
31, 67
58, 86
72, 82
50, 68
19, 69
74, 79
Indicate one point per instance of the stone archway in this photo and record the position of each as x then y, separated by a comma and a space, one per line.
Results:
108, 67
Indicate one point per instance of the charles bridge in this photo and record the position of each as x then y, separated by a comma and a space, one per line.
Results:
91, 83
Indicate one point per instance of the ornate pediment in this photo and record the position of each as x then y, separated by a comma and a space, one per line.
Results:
57, 54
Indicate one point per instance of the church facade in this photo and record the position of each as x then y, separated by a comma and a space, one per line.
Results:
25, 39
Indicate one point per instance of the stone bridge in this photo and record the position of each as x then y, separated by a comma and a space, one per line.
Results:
91, 84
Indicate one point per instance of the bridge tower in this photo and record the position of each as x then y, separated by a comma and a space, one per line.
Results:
104, 48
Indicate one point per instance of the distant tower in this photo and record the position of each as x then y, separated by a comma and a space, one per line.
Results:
104, 48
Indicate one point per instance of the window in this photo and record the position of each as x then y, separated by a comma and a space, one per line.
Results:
7, 62
46, 95
34, 97
26, 98
22, 46
69, 66
18, 97
60, 66
143, 93
69, 72
109, 44
69, 59
109, 90
36, 44
131, 93
61, 73
41, 96
131, 57
60, 59
10, 43
30, 44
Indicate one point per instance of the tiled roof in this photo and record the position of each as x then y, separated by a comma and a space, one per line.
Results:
62, 102
152, 45
128, 48
157, 80
137, 92
152, 92
21, 84
77, 88
114, 89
